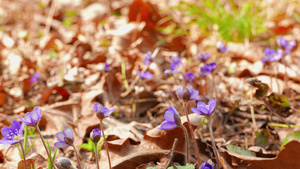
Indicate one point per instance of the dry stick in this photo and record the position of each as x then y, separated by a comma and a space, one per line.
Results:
252, 110
191, 130
286, 79
96, 155
273, 141
50, 17
187, 158
105, 142
213, 141
172, 152
23, 152
39, 132
77, 156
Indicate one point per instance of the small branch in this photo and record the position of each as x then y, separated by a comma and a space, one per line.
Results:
172, 152
273, 141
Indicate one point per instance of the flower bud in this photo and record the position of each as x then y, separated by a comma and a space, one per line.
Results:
95, 135
177, 120
63, 163
186, 95
68, 141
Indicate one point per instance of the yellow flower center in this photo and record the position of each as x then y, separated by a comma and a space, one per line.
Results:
16, 138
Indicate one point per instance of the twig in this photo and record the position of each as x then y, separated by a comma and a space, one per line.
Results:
50, 17
172, 152
273, 141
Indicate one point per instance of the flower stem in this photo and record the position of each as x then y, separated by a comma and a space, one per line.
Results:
186, 143
77, 156
96, 156
23, 152
192, 133
213, 141
105, 142
43, 141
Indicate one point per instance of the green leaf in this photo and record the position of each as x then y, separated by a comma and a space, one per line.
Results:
240, 150
261, 138
88, 146
187, 166
293, 136
278, 101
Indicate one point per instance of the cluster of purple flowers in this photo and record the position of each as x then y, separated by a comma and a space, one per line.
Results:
203, 57
207, 69
272, 55
171, 119
286, 45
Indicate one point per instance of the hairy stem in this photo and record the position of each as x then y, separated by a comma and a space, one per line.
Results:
23, 152
77, 156
96, 156
213, 141
187, 158
105, 142
192, 133
43, 141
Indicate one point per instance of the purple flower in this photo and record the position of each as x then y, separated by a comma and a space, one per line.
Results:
207, 69
221, 47
206, 165
32, 118
12, 134
148, 58
189, 77
106, 67
145, 75
203, 57
95, 135
204, 109
288, 46
271, 55
65, 138
35, 77
176, 64
102, 111
172, 119
194, 94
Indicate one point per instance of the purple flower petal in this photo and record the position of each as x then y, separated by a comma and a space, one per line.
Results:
167, 125
169, 116
61, 136
189, 77
212, 105
60, 145
206, 165
69, 133
180, 90
195, 110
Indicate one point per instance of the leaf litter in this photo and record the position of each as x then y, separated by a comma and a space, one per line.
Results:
68, 44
